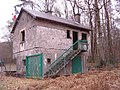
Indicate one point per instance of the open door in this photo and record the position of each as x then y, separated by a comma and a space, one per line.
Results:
75, 38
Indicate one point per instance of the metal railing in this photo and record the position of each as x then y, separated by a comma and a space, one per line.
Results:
78, 45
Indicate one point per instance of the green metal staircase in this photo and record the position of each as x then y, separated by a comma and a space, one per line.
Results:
66, 57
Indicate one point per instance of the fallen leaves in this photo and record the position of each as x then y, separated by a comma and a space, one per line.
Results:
94, 80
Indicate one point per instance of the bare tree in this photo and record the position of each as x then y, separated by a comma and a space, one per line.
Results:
108, 28
89, 4
99, 15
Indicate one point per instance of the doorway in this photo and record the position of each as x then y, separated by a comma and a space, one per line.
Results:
75, 38
84, 36
77, 65
34, 66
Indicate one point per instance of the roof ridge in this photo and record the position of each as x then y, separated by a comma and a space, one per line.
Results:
46, 16
55, 18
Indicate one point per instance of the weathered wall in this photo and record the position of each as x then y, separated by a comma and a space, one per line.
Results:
26, 22
53, 40
67, 70
53, 36
6, 52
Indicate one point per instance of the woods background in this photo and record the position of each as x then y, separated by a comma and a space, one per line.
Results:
102, 16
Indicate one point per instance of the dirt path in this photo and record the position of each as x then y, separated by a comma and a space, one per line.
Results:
94, 80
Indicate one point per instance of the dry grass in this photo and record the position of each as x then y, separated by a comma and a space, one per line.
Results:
94, 80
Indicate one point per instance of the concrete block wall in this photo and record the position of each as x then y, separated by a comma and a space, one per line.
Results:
6, 52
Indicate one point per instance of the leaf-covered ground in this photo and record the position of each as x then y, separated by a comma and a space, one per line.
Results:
94, 80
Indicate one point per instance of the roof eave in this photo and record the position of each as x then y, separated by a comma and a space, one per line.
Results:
73, 26
17, 20
35, 16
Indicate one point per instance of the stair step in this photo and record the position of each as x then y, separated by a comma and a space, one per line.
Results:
61, 63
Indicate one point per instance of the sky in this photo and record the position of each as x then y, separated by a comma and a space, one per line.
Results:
6, 10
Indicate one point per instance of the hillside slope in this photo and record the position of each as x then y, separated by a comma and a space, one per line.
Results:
94, 80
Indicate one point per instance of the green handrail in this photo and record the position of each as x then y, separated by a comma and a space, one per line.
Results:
84, 42
78, 41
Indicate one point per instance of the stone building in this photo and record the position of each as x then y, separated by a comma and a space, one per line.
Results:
37, 32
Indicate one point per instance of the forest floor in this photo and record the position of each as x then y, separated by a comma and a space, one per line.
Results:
103, 79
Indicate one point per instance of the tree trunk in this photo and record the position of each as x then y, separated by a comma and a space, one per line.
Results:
98, 33
108, 31
92, 32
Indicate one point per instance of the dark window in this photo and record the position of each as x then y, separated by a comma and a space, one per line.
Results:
24, 62
23, 35
68, 34
48, 61
84, 36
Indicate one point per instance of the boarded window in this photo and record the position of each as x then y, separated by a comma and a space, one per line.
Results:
84, 36
23, 35
24, 62
68, 34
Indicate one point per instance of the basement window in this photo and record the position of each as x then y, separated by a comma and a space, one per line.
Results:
24, 62
84, 36
23, 36
68, 34
48, 60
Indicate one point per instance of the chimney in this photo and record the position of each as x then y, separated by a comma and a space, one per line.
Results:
49, 12
77, 17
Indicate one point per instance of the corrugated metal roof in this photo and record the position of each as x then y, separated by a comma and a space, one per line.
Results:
50, 17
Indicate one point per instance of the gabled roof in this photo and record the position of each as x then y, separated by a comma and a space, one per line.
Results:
46, 16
